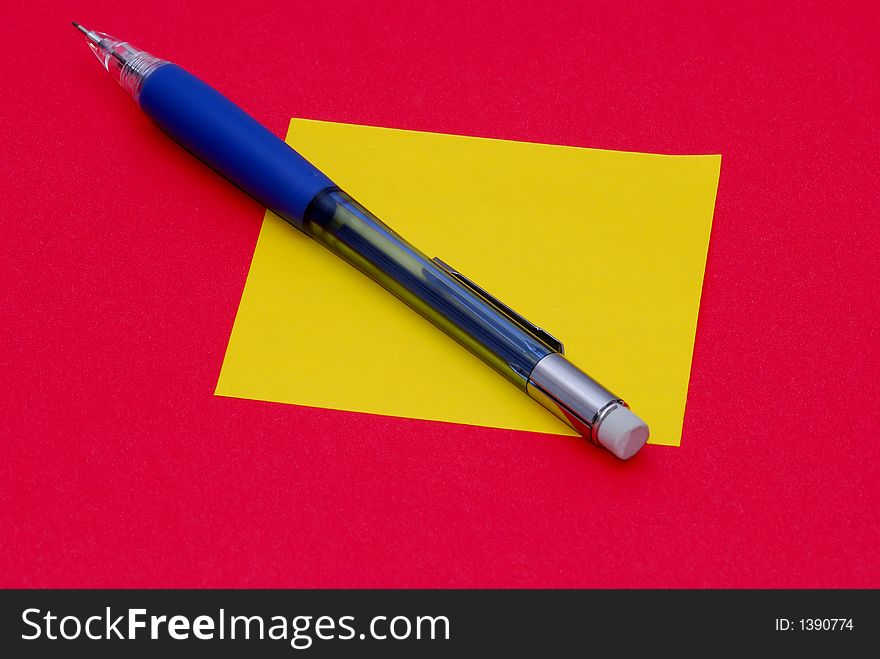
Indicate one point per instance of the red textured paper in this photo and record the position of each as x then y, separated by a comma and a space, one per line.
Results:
124, 260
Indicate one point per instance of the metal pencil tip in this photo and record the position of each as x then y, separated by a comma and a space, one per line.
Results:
91, 36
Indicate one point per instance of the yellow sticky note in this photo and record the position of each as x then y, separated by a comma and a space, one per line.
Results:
604, 249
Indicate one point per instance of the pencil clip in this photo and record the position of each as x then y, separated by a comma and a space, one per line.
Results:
543, 336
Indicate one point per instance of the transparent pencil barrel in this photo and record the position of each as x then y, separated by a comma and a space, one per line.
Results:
348, 229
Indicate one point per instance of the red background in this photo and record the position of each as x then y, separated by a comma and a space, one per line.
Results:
124, 260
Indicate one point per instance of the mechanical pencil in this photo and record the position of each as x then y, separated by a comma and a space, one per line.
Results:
234, 144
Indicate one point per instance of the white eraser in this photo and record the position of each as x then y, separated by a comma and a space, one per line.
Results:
622, 432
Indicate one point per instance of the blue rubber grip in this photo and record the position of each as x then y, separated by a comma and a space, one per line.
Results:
228, 139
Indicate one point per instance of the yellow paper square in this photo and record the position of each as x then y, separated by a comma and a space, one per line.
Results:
604, 249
